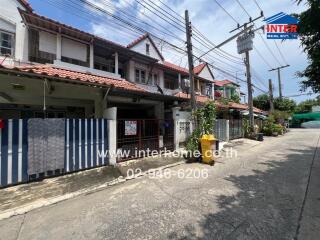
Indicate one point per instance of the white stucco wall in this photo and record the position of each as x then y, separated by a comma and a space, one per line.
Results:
9, 14
73, 49
7, 25
133, 65
47, 42
141, 48
205, 73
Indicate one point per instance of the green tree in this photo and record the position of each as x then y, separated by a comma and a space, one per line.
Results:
284, 104
309, 32
262, 102
235, 98
306, 106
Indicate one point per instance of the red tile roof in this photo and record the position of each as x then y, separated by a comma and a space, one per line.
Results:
174, 67
136, 41
221, 83
218, 83
199, 68
241, 106
52, 71
200, 99
26, 5
232, 105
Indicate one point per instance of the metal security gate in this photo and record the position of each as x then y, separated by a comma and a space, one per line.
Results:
235, 128
46, 146
137, 138
220, 131
167, 133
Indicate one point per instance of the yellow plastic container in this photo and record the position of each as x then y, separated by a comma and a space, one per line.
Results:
208, 148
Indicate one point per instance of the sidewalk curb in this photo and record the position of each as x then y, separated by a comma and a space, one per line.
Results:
50, 201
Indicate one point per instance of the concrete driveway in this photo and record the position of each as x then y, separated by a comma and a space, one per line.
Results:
264, 193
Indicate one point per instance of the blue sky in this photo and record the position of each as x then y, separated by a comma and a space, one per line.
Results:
208, 18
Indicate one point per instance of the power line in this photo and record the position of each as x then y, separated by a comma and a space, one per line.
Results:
65, 6
136, 19
227, 12
177, 20
281, 55
167, 6
243, 8
258, 5
174, 24
262, 57
269, 49
197, 38
134, 28
197, 34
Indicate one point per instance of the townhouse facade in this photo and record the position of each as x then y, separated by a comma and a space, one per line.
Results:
61, 84
49, 69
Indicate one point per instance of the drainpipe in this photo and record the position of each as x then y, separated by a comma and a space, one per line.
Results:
91, 57
104, 105
116, 63
44, 95
59, 48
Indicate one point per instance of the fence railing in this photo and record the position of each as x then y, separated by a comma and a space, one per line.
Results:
235, 129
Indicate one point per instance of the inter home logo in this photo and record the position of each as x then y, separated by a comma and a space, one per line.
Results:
282, 26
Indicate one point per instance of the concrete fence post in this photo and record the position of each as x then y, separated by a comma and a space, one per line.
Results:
112, 139
111, 115
176, 136
227, 130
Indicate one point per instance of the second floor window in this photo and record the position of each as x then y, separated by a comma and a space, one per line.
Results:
140, 76
6, 43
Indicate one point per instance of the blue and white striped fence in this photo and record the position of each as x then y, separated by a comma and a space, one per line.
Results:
84, 139
13, 152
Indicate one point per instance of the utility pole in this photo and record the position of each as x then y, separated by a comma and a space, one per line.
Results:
244, 45
279, 78
250, 99
271, 96
190, 60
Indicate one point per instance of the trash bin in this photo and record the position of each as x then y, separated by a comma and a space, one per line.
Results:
208, 147
260, 137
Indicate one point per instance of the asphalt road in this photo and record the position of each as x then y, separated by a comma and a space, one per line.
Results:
266, 192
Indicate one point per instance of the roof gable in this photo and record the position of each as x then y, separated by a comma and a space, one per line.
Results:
225, 82
204, 71
199, 68
140, 46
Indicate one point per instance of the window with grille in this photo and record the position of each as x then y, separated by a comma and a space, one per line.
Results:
140, 76
6, 43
